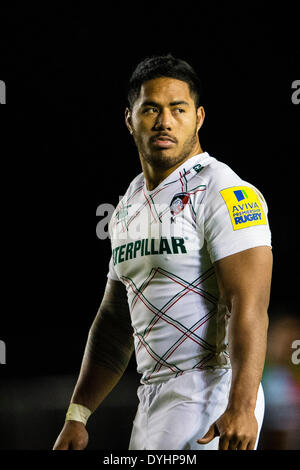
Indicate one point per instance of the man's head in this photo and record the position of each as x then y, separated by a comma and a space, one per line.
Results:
164, 66
164, 113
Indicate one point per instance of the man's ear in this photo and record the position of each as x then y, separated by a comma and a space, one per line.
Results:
200, 117
128, 120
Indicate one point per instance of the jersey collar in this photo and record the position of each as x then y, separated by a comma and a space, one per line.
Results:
184, 172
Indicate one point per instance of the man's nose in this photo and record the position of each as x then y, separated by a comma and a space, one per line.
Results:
164, 120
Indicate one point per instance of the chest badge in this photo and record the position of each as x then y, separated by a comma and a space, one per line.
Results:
178, 203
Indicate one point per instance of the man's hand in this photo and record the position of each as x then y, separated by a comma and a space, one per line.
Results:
237, 431
73, 436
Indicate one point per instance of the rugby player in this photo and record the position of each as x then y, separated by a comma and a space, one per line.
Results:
188, 283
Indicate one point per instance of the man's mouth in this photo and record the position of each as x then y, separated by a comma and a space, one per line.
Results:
163, 141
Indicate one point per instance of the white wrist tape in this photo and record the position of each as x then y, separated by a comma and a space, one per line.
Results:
78, 413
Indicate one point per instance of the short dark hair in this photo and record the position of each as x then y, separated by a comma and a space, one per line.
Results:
163, 66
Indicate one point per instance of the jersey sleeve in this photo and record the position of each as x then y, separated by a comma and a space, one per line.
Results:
112, 272
235, 217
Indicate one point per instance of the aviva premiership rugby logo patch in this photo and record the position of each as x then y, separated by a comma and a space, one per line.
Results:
244, 206
178, 203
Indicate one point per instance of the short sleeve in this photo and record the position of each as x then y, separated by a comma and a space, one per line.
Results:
235, 219
112, 272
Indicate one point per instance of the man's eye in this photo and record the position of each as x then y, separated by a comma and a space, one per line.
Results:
150, 110
180, 110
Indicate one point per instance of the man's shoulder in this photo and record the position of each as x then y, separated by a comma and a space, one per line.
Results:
217, 174
132, 190
134, 186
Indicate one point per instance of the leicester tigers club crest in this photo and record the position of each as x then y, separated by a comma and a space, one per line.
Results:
178, 203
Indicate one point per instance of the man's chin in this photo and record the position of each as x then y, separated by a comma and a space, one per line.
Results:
164, 159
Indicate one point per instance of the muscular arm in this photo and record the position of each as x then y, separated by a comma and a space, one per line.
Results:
244, 281
108, 350
107, 353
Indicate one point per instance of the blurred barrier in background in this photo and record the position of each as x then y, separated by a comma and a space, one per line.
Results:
32, 411
281, 383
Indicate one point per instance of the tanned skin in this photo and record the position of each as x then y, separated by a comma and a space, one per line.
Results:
165, 109
108, 351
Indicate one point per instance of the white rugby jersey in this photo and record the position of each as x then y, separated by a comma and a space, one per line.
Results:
164, 243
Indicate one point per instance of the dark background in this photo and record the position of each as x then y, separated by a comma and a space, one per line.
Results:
66, 150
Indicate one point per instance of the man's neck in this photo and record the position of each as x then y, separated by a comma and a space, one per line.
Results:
154, 176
